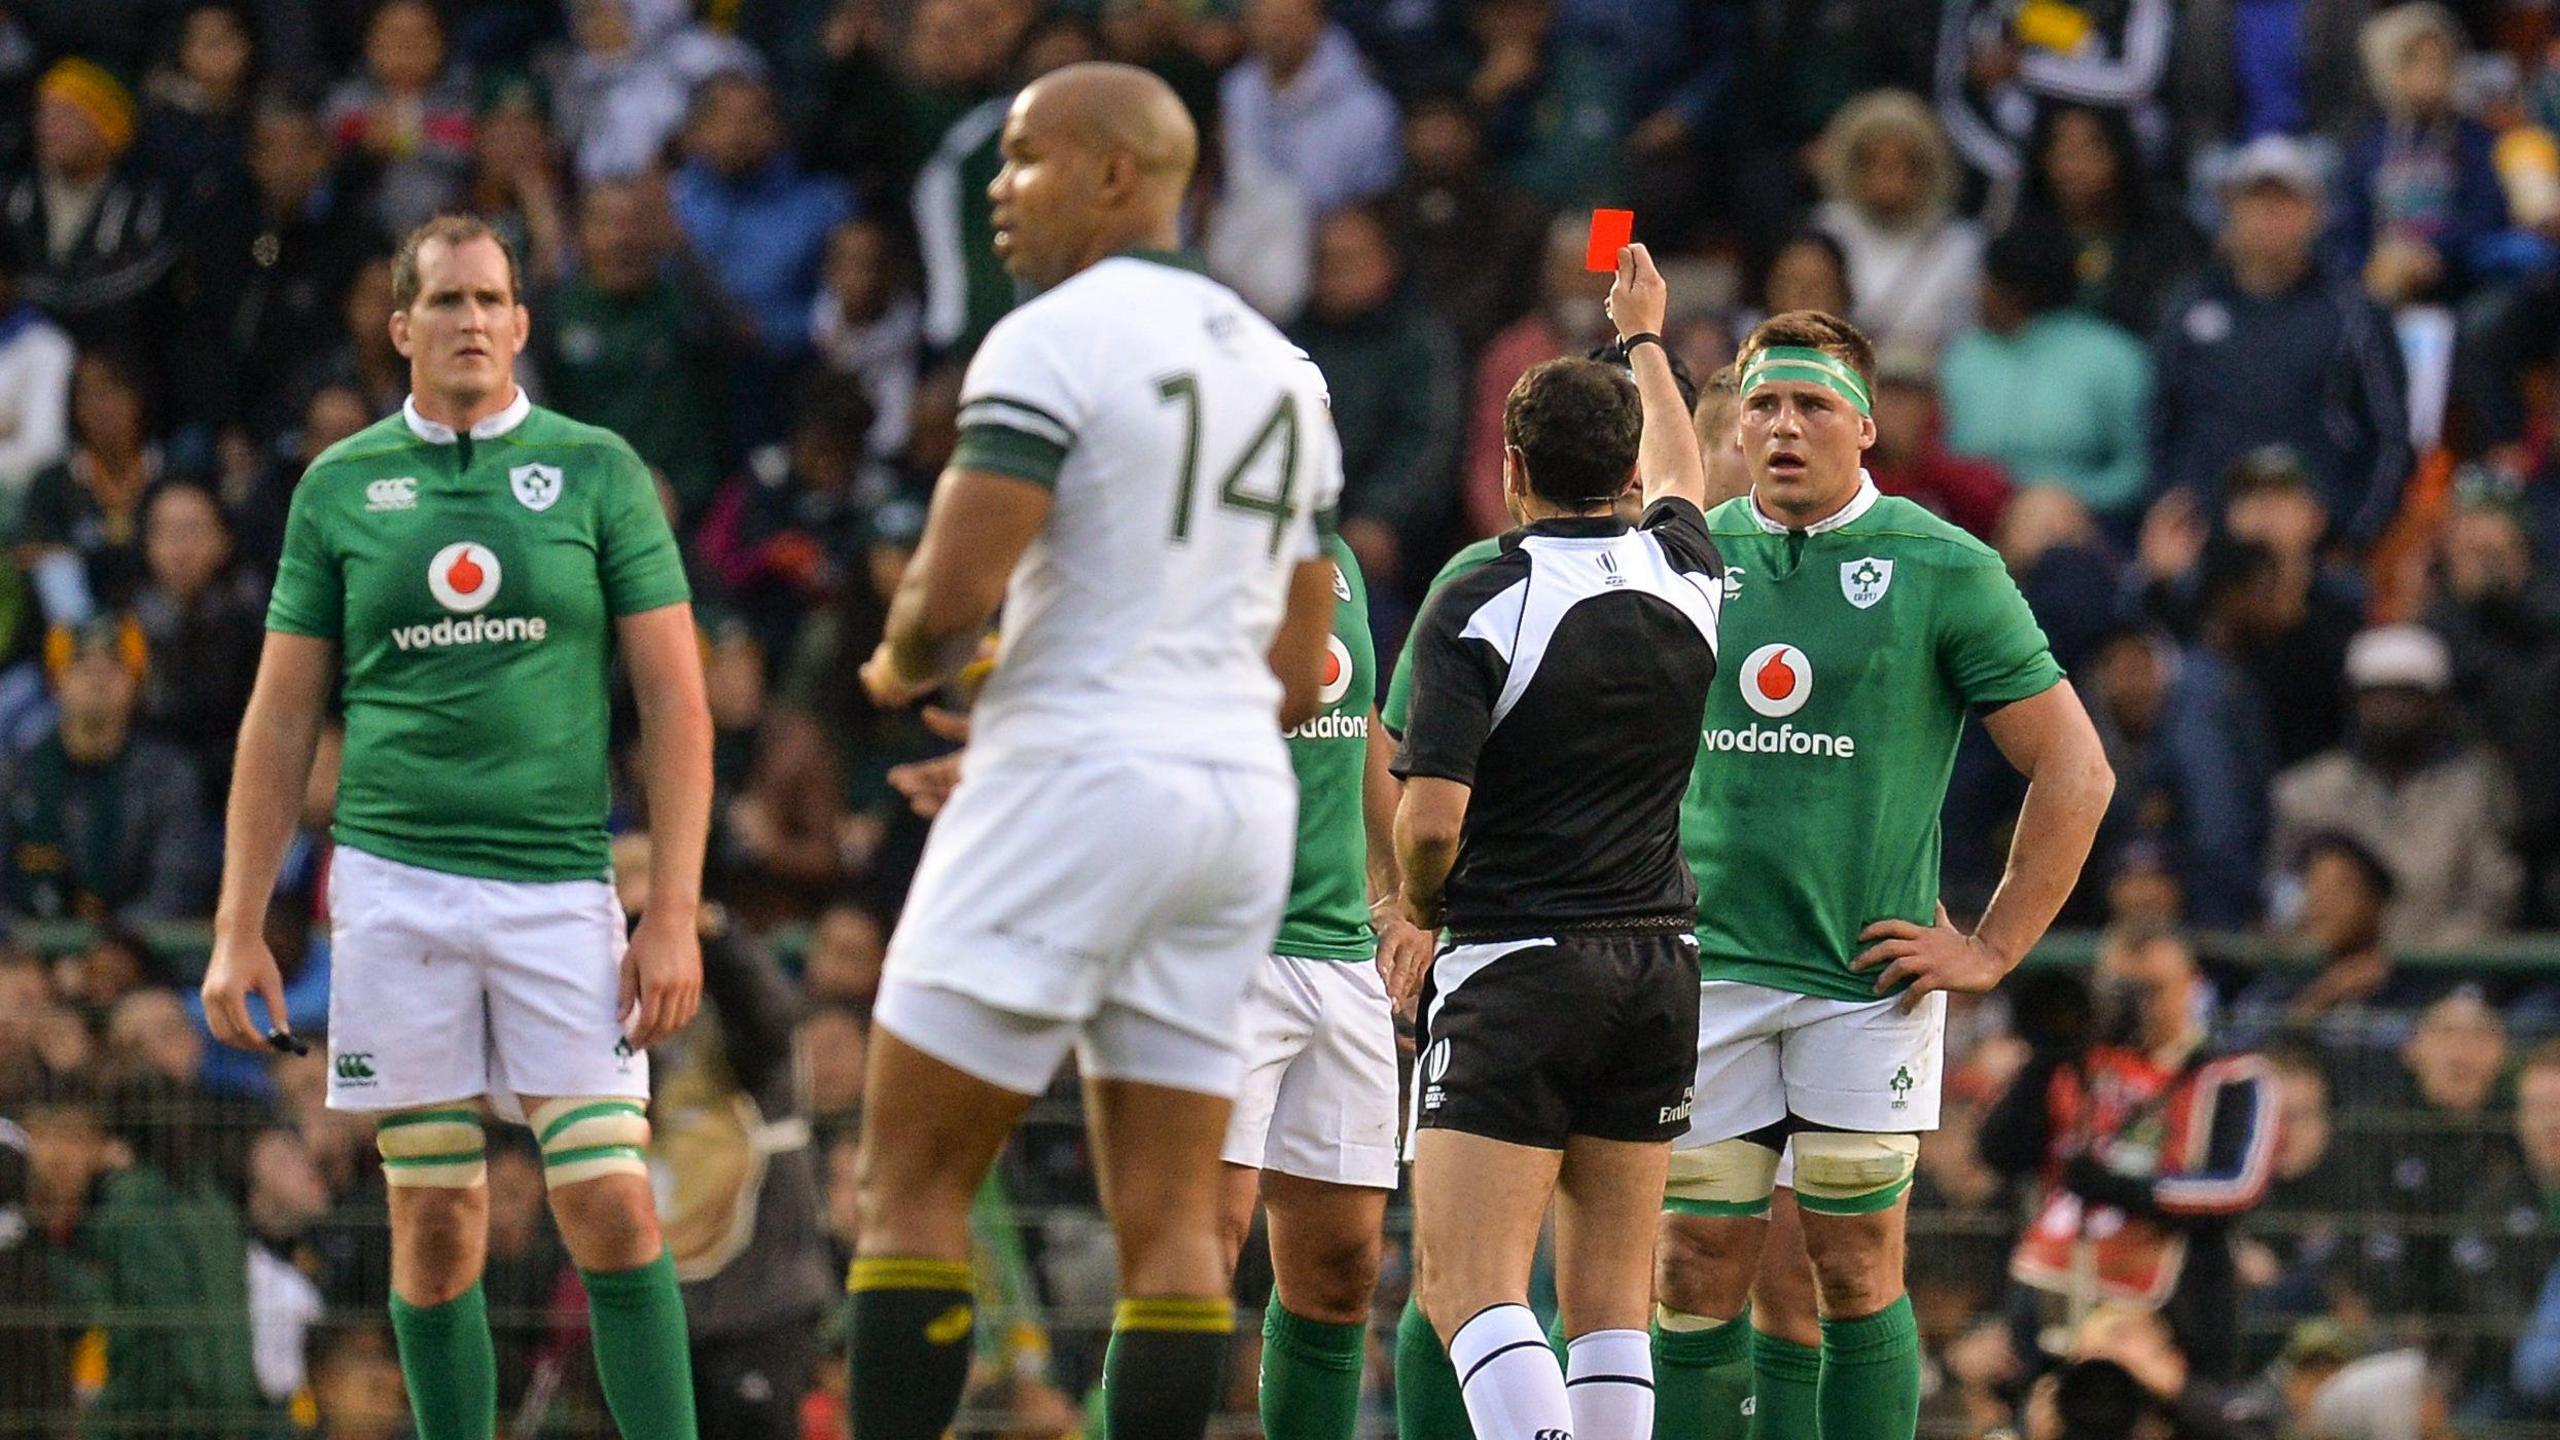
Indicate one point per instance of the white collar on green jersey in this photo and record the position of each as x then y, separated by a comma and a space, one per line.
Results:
488, 428
1859, 504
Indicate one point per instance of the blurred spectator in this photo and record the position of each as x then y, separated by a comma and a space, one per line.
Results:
80, 534
1889, 187
1998, 64
2216, 754
96, 235
169, 1257
1303, 102
835, 1040
2185, 1398
101, 821
148, 1033
1471, 239
634, 67
633, 340
2054, 394
2418, 198
963, 54
356, 1388
527, 1266
285, 1198
2501, 621
35, 384
2511, 1221
1253, 227
2269, 500
2263, 348
2292, 1249
2144, 1150
1910, 457
784, 537
364, 359
2087, 173
195, 112
1394, 375
2434, 1140
272, 275
333, 413
2063, 566
754, 220
515, 179
1555, 101
114, 963
740, 1207
847, 946
203, 621
2239, 70
869, 324
1569, 318
1809, 271
2359, 1006
409, 116
2439, 810
2397, 1395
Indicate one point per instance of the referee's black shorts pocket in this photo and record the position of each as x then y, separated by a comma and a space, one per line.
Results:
1640, 1086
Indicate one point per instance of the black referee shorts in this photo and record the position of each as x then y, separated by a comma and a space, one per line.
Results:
1533, 1041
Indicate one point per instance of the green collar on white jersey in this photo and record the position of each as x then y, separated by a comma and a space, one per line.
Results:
487, 428
1859, 504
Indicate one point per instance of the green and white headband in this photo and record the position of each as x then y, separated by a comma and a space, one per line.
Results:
1813, 367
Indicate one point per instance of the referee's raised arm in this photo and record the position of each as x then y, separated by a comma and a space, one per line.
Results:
1668, 461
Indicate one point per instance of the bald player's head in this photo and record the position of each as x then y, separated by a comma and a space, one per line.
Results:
1097, 158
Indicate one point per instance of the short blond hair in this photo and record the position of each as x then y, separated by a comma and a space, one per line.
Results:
455, 231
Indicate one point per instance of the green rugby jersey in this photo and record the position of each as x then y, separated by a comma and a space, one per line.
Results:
471, 584
1400, 685
1850, 655
1328, 915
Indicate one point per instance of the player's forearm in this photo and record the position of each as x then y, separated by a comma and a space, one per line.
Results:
675, 755
930, 635
1378, 795
2066, 798
269, 771
1667, 457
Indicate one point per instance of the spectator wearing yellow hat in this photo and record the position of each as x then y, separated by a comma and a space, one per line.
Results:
95, 234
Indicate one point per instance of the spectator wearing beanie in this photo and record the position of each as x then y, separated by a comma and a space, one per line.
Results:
95, 235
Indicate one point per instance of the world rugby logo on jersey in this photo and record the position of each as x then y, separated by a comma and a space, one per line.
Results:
538, 486
464, 577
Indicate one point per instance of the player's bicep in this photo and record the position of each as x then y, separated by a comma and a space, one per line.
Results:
291, 692
2032, 732
980, 524
664, 655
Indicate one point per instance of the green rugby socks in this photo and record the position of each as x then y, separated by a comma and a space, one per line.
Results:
450, 1366
642, 1356
1310, 1376
1701, 1378
1870, 1387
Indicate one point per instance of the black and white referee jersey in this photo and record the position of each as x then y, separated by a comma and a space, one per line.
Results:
1565, 682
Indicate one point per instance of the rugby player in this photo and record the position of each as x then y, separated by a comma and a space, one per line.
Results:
1144, 473
468, 570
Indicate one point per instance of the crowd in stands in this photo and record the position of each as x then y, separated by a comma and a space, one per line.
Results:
2230, 324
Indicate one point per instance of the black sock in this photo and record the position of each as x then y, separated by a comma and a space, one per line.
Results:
908, 1325
1166, 1370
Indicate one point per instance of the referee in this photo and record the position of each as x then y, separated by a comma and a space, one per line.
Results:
1557, 698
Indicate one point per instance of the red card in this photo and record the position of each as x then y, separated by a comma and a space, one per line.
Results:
1610, 232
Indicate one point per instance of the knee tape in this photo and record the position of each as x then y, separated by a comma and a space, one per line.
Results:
435, 1149
583, 1137
1729, 1178
1840, 1174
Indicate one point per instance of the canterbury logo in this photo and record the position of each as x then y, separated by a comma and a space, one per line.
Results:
396, 492
950, 1328
356, 1065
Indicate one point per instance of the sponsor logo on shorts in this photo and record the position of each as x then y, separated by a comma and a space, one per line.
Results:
392, 492
355, 1068
1688, 1101
1435, 1065
1900, 1085
622, 1054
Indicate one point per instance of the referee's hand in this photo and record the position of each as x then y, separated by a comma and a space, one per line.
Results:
1940, 957
661, 979
240, 967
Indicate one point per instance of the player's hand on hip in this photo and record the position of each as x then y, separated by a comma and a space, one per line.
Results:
1638, 300
242, 967
661, 979
1404, 953
1937, 957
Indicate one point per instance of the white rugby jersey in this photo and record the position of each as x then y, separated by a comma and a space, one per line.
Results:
1193, 459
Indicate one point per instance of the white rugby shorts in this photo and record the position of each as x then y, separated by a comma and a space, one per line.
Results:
1855, 1065
1319, 1093
1113, 904
447, 987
